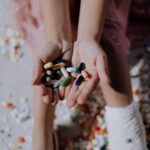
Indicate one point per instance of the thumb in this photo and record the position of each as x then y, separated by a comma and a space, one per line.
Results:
102, 67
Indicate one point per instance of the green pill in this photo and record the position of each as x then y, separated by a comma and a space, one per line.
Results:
47, 80
65, 81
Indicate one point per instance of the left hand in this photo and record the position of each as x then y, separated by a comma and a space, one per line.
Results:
95, 60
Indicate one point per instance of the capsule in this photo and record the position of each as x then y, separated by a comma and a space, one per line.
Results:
64, 72
85, 74
48, 65
72, 69
81, 67
47, 80
65, 81
48, 72
58, 65
57, 84
79, 80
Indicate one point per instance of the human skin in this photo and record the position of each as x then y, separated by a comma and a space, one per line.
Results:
115, 83
39, 25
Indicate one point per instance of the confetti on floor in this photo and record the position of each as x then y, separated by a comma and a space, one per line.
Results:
16, 98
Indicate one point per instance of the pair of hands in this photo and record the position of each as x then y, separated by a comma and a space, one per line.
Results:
88, 52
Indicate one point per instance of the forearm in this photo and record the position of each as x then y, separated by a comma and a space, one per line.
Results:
92, 15
56, 18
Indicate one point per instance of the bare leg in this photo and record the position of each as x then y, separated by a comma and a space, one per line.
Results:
43, 124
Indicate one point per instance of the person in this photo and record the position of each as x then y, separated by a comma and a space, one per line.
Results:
48, 28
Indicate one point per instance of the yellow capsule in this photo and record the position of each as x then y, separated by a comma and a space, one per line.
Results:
48, 72
59, 65
85, 74
48, 65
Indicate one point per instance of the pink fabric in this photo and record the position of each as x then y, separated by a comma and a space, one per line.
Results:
114, 37
29, 21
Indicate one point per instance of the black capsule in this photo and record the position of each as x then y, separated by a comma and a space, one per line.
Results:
79, 80
81, 67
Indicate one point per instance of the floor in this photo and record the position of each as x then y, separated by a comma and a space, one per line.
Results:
16, 95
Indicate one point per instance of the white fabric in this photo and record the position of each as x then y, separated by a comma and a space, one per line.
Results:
125, 128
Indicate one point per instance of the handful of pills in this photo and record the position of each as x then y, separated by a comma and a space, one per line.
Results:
58, 73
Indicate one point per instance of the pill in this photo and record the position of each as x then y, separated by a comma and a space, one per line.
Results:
81, 67
64, 72
47, 79
21, 140
9, 105
85, 74
72, 69
48, 65
104, 147
48, 72
57, 84
58, 65
128, 140
79, 80
65, 81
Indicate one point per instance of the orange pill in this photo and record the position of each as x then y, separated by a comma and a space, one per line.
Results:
102, 132
85, 74
9, 105
21, 139
136, 92
91, 137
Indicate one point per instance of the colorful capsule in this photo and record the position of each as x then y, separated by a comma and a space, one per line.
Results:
81, 67
64, 72
48, 65
72, 69
57, 84
48, 72
65, 81
58, 65
47, 79
79, 80
85, 74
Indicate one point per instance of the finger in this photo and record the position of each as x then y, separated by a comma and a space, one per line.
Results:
68, 89
55, 97
102, 67
74, 93
41, 90
37, 70
61, 92
48, 97
87, 92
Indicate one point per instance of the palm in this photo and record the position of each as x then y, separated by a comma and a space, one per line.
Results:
94, 58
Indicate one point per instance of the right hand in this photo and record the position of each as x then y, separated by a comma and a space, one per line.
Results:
49, 52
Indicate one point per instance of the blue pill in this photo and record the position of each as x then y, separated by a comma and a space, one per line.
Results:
103, 147
57, 84
81, 67
79, 80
